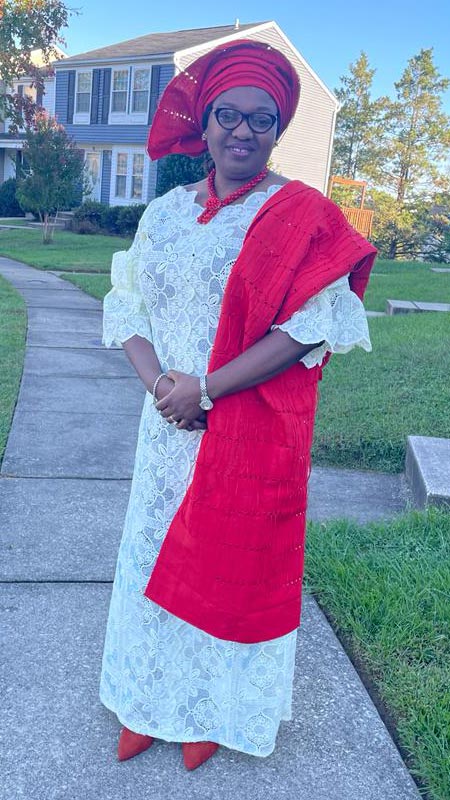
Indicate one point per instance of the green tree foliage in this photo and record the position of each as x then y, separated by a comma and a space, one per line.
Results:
178, 170
53, 175
399, 145
27, 25
417, 139
358, 121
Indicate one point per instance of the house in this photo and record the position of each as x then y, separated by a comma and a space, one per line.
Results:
11, 143
106, 100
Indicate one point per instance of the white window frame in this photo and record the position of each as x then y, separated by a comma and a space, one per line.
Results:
77, 92
134, 91
82, 117
129, 175
114, 91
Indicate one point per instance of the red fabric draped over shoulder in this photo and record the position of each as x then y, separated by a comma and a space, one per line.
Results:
232, 560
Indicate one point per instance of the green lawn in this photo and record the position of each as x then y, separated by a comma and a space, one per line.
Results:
370, 402
96, 285
386, 590
406, 280
69, 251
13, 221
13, 325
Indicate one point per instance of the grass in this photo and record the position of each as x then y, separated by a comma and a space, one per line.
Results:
13, 325
96, 285
386, 591
69, 251
13, 221
406, 280
370, 402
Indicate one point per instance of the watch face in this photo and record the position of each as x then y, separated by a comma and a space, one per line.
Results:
206, 404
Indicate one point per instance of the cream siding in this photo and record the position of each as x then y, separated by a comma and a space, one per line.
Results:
304, 150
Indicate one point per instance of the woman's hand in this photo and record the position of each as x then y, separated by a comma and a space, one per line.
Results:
181, 404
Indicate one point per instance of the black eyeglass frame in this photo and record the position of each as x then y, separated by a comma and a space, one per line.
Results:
216, 112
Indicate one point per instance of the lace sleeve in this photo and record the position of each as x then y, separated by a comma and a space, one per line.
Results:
335, 315
124, 310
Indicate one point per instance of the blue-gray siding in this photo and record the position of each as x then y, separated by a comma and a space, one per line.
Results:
99, 131
108, 134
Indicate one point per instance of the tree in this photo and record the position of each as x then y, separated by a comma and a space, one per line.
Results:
178, 170
27, 25
53, 173
417, 138
357, 124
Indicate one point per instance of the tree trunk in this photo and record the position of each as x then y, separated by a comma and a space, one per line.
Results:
47, 230
392, 249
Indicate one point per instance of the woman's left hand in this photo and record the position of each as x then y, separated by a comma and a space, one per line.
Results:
182, 402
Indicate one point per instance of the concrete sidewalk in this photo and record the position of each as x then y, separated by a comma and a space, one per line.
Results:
64, 487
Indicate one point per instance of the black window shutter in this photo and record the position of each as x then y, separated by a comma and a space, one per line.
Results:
39, 97
95, 98
106, 93
70, 96
154, 92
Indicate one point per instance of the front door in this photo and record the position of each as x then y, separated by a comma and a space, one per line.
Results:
93, 175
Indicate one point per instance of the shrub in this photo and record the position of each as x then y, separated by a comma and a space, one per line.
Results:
110, 218
9, 206
128, 219
91, 211
86, 226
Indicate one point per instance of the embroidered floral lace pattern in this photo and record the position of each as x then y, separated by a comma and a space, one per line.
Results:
160, 675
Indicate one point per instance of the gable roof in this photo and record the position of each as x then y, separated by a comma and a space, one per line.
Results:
159, 43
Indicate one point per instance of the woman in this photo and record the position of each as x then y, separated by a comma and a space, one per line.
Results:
233, 295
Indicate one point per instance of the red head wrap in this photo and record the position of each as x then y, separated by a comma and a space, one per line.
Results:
177, 124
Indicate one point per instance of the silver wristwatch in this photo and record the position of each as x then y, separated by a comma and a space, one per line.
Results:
205, 402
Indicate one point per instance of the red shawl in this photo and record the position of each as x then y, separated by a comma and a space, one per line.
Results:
232, 560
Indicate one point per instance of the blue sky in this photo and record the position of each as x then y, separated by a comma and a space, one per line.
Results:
328, 34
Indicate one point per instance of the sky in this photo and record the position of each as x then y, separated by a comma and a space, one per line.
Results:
329, 35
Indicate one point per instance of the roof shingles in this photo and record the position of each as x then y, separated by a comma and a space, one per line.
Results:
159, 43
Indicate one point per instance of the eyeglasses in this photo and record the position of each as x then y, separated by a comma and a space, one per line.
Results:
231, 118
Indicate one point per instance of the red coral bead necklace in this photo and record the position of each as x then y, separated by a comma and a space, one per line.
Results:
214, 203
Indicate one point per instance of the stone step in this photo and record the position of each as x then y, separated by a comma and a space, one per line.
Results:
428, 470
411, 306
60, 225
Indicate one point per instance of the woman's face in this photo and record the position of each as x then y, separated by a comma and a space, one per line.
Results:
241, 153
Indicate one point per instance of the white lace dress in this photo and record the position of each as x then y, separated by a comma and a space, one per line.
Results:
160, 675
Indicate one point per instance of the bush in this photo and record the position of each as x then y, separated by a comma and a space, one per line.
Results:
178, 170
128, 219
94, 217
110, 217
85, 226
9, 206
92, 212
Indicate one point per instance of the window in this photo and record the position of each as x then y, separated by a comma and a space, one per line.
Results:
83, 99
129, 176
119, 90
136, 178
141, 85
121, 175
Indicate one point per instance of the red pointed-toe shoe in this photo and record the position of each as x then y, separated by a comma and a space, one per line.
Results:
195, 753
131, 744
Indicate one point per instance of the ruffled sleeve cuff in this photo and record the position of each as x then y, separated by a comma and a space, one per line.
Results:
335, 315
124, 310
